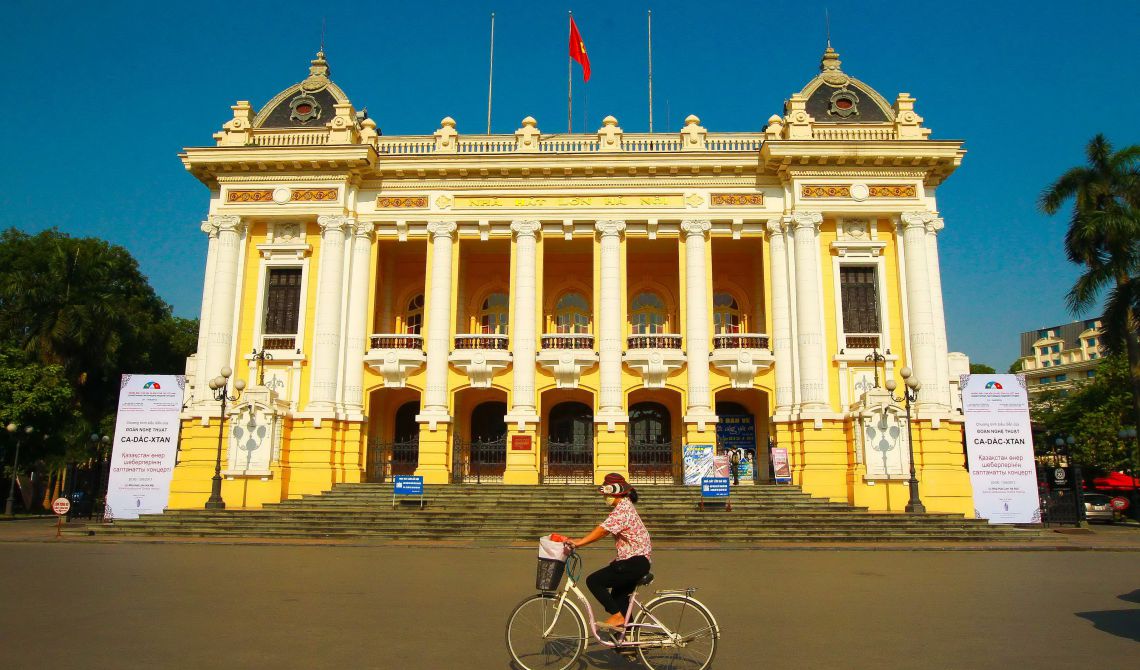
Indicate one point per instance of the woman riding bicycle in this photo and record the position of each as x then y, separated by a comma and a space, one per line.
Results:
613, 584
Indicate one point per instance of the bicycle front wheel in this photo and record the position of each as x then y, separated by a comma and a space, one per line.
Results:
681, 634
542, 637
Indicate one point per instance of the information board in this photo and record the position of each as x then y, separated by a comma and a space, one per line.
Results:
714, 487
781, 470
408, 485
145, 446
1003, 473
698, 462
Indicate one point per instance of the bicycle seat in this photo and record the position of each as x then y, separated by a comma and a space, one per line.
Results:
646, 580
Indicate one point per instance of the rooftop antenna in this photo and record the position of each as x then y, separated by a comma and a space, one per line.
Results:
323, 21
827, 22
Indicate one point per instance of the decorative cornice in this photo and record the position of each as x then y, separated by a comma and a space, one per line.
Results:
333, 223
438, 229
695, 227
613, 227
525, 228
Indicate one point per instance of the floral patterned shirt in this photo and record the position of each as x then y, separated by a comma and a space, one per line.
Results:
625, 525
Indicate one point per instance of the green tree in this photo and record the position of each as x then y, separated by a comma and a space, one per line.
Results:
1093, 414
1103, 236
36, 395
981, 369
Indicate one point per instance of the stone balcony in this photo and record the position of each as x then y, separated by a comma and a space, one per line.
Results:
567, 356
742, 356
395, 356
655, 357
480, 357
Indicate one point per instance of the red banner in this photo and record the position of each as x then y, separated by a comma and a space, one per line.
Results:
578, 50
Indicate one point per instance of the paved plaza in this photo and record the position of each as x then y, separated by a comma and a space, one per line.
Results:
76, 603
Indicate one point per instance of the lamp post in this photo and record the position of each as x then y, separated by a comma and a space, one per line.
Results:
99, 443
909, 395
219, 385
1130, 434
261, 357
10, 505
874, 358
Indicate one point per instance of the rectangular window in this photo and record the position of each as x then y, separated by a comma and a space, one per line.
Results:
1093, 355
1062, 378
859, 293
1044, 364
1046, 380
1090, 373
1091, 342
282, 301
1056, 349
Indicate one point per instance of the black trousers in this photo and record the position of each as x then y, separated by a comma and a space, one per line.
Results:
613, 584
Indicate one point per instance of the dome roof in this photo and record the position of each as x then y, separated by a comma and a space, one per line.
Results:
308, 104
836, 97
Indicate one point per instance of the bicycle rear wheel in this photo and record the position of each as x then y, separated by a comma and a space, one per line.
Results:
695, 644
555, 650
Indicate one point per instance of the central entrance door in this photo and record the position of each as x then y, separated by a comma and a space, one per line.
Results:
483, 458
651, 444
568, 451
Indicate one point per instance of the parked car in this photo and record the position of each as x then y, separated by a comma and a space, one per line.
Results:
1098, 508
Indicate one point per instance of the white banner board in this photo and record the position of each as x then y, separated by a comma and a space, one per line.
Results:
146, 444
999, 443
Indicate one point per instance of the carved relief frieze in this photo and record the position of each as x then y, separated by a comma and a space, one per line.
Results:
281, 195
859, 191
737, 199
402, 202
826, 191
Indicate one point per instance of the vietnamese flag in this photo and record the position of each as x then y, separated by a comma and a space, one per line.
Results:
578, 50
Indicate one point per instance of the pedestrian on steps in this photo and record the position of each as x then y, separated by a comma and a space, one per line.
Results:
734, 462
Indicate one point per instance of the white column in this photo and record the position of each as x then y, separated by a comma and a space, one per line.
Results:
700, 410
610, 405
920, 311
356, 339
781, 310
201, 374
219, 339
438, 343
330, 303
809, 311
941, 349
526, 281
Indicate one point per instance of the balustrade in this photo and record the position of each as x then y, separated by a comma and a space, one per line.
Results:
567, 341
658, 341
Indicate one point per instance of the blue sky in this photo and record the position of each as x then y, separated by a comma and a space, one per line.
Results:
108, 93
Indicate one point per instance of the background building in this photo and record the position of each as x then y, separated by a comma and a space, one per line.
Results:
545, 308
1057, 357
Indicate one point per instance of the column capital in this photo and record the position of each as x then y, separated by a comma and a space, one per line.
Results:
210, 228
806, 219
334, 223
918, 218
525, 228
226, 223
611, 228
364, 230
438, 229
695, 227
935, 226
775, 227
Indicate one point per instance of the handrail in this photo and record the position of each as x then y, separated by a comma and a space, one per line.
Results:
567, 341
396, 341
481, 341
740, 341
655, 341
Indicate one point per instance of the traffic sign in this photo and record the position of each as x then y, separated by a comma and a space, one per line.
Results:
1119, 503
60, 506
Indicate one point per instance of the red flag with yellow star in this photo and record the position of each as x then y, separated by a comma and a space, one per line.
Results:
578, 50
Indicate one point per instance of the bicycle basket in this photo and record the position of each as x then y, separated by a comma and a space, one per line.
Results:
549, 574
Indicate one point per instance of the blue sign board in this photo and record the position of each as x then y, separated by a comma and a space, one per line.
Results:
736, 432
407, 485
714, 487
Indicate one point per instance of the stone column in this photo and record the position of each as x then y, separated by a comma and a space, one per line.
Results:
941, 349
610, 402
920, 310
523, 345
781, 315
224, 280
330, 305
437, 345
700, 409
356, 339
809, 311
201, 374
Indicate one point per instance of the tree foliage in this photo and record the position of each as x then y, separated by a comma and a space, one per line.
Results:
981, 369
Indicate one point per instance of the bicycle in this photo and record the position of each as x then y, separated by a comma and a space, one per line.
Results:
547, 631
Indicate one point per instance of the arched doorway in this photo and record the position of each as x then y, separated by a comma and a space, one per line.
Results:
736, 430
483, 457
651, 444
568, 450
405, 453
393, 434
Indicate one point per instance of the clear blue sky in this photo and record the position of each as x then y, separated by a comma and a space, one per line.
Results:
102, 96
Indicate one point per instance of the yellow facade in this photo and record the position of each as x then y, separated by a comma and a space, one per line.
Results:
536, 309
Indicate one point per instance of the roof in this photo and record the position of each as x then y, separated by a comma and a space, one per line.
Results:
306, 104
833, 96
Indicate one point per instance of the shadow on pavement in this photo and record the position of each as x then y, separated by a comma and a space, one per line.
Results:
1121, 623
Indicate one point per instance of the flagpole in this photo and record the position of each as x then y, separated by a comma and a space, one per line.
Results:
491, 73
569, 81
651, 71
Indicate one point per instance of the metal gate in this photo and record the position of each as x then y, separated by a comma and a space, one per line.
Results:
652, 462
1060, 492
387, 459
478, 461
567, 462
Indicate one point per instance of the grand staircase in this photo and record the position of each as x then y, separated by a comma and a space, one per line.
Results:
503, 514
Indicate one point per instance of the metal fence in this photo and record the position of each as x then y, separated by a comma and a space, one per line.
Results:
567, 462
387, 459
478, 462
654, 463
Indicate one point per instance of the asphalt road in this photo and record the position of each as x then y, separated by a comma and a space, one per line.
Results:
88, 605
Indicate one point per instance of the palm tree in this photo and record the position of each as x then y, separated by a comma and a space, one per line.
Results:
1104, 236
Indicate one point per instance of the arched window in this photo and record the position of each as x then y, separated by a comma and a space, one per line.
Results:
414, 316
572, 314
726, 314
649, 423
493, 314
647, 314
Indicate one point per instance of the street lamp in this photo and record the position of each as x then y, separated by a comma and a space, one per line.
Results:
10, 505
874, 358
221, 393
1130, 434
99, 444
910, 394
